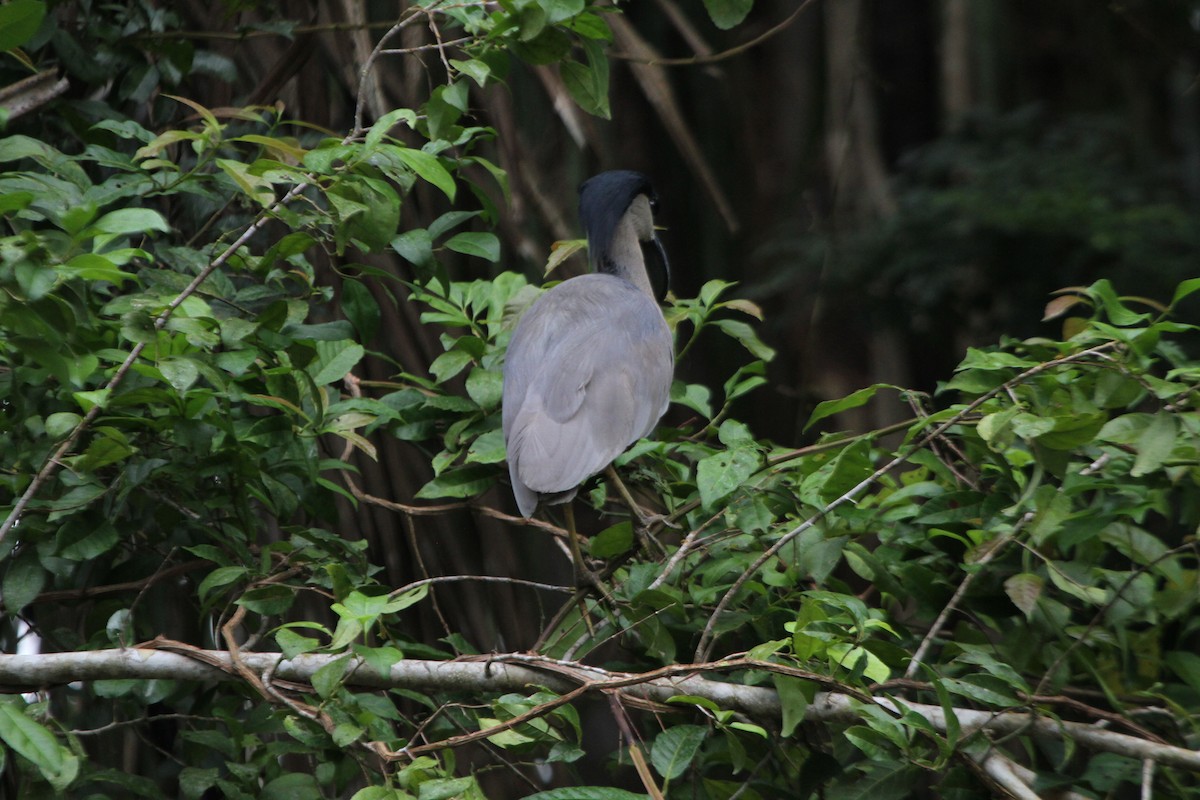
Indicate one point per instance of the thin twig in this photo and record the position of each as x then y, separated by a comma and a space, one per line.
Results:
706, 639
724, 54
992, 551
54, 461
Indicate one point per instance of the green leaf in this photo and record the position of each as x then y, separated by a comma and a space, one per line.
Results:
588, 84
847, 469
449, 364
359, 306
727, 14
194, 782
19, 21
794, 696
131, 220
254, 186
385, 123
92, 267
675, 748
381, 793
694, 396
78, 541
1024, 589
334, 360
221, 576
461, 482
985, 689
268, 600
37, 744
488, 448
746, 337
292, 644
1155, 444
179, 371
328, 678
481, 244
853, 400
429, 168
485, 387
292, 786
446, 788
612, 541
719, 475
415, 246
23, 581
1186, 665
1184, 289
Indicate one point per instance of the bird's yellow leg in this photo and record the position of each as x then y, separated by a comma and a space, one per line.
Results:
583, 575
642, 520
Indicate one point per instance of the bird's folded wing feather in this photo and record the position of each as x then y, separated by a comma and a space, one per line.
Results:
588, 373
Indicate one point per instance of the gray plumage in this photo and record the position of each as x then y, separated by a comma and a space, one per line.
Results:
589, 367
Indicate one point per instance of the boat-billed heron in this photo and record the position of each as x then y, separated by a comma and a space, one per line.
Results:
589, 367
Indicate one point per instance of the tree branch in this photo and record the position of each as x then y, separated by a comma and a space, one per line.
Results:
517, 672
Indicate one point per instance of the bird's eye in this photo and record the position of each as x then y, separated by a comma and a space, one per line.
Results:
654, 204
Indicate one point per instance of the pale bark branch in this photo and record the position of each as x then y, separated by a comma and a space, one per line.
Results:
499, 674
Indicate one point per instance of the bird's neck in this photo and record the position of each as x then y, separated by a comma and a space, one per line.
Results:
625, 258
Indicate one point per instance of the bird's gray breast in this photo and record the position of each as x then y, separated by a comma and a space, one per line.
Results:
588, 372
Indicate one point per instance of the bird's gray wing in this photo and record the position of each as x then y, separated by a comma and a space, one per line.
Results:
588, 373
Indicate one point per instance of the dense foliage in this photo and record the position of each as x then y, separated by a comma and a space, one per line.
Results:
185, 311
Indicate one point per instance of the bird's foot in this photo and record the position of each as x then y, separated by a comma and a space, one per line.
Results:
646, 521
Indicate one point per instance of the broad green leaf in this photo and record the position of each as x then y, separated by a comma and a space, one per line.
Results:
727, 14
268, 600
828, 408
92, 267
459, 483
381, 793
385, 123
292, 644
695, 396
485, 387
58, 765
721, 474
488, 448
612, 541
19, 21
83, 541
131, 220
446, 788
1184, 289
449, 364
221, 576
256, 187
588, 83
359, 306
292, 786
179, 371
992, 360
1155, 444
985, 689
746, 337
1024, 589
794, 696
675, 748
429, 168
483, 245
334, 360
1186, 665
23, 581
328, 678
